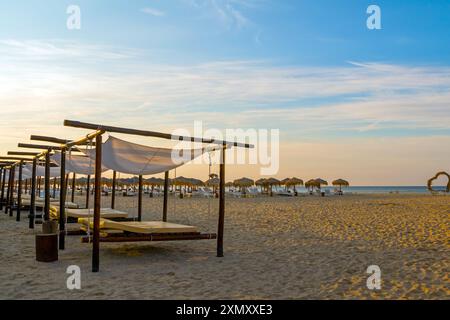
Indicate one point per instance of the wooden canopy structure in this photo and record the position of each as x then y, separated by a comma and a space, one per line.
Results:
99, 130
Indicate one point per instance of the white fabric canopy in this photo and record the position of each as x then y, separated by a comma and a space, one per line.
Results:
40, 171
77, 164
131, 158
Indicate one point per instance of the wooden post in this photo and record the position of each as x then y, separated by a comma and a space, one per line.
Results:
166, 195
221, 224
88, 185
8, 190
11, 195
19, 191
33, 195
54, 188
73, 187
2, 192
26, 186
113, 195
47, 187
39, 186
62, 201
97, 204
140, 199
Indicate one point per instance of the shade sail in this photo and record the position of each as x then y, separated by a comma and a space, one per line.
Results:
40, 171
77, 164
130, 158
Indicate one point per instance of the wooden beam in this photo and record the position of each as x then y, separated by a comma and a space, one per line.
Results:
2, 184
47, 187
33, 196
73, 186
97, 205
153, 237
221, 223
22, 153
84, 125
88, 193
11, 195
62, 201
48, 139
15, 158
8, 190
140, 199
38, 146
166, 195
19, 191
84, 140
113, 195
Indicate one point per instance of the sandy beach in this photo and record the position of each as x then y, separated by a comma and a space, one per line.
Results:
275, 248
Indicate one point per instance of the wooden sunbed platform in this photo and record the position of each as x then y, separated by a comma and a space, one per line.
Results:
112, 231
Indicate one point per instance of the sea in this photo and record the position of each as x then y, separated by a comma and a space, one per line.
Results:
381, 189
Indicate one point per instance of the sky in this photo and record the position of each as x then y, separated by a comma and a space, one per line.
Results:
371, 106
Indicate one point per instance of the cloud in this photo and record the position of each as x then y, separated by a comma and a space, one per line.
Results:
153, 12
229, 13
307, 101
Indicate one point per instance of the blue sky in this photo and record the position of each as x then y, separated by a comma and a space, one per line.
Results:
310, 68
286, 32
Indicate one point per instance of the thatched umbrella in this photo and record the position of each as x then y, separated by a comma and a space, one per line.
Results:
243, 183
261, 183
340, 183
197, 182
229, 184
321, 182
182, 182
294, 182
271, 182
284, 182
213, 182
155, 181
311, 184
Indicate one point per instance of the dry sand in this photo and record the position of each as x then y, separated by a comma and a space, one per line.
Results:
275, 248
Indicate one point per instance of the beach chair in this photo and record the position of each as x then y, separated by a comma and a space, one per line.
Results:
73, 214
134, 231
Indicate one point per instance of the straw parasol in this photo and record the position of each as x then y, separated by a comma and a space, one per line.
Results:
284, 182
321, 182
229, 184
155, 181
311, 184
197, 182
261, 183
212, 182
294, 182
272, 181
244, 182
340, 183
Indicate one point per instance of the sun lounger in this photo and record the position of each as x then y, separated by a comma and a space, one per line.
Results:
40, 203
112, 231
85, 213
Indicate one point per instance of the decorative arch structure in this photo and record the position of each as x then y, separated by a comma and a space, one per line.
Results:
442, 173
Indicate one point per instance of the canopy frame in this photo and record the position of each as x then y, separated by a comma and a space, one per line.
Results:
100, 130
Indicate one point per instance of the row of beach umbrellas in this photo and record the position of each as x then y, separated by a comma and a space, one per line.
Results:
214, 181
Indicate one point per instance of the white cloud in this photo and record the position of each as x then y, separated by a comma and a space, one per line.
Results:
311, 100
153, 12
229, 13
